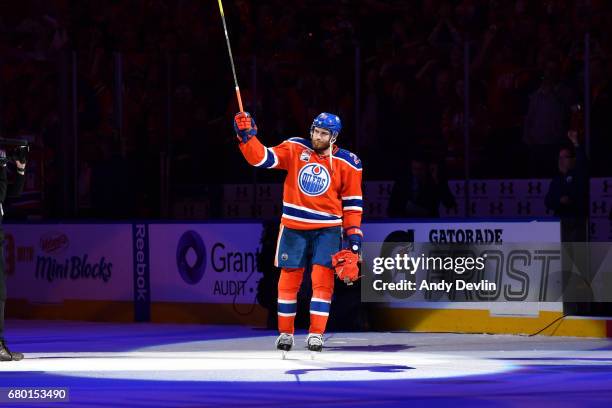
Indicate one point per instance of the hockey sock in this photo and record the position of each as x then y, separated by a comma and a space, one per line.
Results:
288, 287
322, 289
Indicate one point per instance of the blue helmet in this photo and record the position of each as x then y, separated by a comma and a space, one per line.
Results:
327, 121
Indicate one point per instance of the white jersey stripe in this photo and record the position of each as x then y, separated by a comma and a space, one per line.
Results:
275, 159
291, 217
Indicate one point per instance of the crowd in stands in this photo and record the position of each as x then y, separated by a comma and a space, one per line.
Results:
393, 70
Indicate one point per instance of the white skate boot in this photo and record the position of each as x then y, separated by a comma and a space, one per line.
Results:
314, 342
284, 343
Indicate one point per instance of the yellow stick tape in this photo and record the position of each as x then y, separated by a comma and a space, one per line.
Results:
220, 7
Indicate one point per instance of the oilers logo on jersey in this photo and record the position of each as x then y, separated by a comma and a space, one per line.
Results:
313, 179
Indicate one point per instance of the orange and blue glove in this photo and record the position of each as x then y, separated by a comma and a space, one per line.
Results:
245, 126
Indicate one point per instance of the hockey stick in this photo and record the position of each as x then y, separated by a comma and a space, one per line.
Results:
229, 50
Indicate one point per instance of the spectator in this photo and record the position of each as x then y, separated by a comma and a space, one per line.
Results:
526, 62
546, 119
418, 192
567, 194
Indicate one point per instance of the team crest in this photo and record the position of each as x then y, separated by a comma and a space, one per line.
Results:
313, 179
305, 156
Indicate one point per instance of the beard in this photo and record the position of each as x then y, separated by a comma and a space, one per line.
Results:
320, 147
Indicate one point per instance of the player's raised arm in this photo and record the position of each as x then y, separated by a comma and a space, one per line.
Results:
253, 150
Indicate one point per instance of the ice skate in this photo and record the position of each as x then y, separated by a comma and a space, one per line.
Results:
284, 343
7, 355
314, 342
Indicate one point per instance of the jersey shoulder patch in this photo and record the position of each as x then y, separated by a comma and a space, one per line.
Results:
349, 158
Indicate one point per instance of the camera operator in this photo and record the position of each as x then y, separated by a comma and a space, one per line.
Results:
7, 190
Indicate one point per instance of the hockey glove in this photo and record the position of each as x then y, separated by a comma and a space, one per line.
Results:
3, 158
245, 126
346, 265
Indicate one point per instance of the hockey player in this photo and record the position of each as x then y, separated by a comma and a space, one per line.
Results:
321, 199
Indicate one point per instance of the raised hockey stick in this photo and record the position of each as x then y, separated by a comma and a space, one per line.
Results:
229, 50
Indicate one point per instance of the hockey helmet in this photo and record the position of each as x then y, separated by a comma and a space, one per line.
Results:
327, 121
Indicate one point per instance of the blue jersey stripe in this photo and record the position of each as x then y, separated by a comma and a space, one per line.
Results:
308, 215
352, 203
269, 160
304, 142
350, 158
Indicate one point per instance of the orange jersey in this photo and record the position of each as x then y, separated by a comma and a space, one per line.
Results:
315, 194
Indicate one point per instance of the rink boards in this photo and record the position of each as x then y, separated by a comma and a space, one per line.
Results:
209, 273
